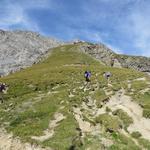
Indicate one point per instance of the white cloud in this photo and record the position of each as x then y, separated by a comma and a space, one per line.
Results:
139, 27
16, 14
130, 18
93, 36
98, 38
114, 48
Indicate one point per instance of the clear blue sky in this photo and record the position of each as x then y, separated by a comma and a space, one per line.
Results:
123, 25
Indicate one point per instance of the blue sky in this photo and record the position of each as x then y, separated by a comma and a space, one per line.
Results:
123, 25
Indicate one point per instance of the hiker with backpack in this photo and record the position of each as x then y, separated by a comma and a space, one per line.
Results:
87, 84
112, 62
3, 89
87, 76
107, 75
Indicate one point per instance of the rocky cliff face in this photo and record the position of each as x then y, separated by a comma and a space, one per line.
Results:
20, 49
135, 62
105, 54
100, 52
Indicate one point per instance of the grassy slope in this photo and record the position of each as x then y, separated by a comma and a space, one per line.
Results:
28, 108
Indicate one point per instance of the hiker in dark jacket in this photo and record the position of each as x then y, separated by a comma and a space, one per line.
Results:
87, 76
3, 89
112, 62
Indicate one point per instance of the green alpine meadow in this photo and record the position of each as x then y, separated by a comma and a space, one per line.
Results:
51, 106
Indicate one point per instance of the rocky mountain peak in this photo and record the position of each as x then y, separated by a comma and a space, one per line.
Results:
19, 49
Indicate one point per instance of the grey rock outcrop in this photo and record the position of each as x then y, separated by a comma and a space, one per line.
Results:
105, 54
20, 49
135, 62
98, 51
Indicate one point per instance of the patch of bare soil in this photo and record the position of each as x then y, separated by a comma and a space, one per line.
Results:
7, 142
85, 126
124, 102
48, 133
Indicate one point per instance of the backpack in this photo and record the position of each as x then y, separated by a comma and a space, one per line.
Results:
87, 74
2, 87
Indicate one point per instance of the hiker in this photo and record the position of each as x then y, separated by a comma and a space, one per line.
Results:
87, 76
3, 89
112, 62
107, 75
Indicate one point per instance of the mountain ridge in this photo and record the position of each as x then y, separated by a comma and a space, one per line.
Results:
105, 54
20, 49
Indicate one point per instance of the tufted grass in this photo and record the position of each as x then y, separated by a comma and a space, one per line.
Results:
31, 100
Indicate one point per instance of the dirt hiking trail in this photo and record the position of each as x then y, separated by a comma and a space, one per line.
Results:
124, 102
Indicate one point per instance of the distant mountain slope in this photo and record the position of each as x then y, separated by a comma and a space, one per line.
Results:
19, 49
105, 54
